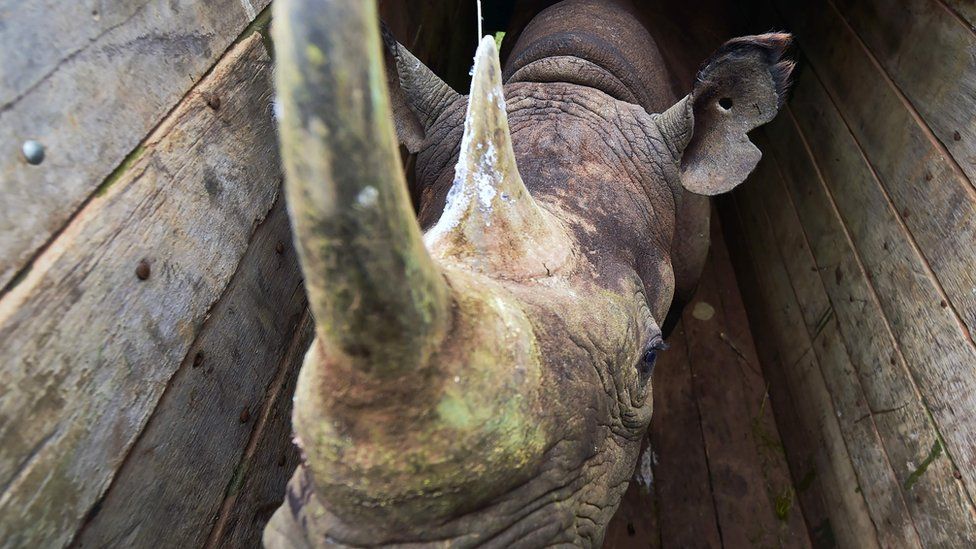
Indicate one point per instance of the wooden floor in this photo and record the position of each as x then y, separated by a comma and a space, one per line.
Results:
716, 475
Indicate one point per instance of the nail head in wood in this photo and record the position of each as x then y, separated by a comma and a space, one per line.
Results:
142, 270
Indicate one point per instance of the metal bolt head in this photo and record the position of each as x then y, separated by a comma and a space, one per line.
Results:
142, 270
33, 152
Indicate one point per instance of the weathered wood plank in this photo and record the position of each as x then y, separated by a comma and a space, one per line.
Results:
929, 196
763, 426
269, 461
39, 35
686, 511
747, 516
849, 519
685, 38
88, 81
93, 334
841, 360
928, 53
194, 441
889, 389
939, 358
800, 445
965, 10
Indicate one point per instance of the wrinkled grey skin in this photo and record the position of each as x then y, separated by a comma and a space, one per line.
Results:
581, 86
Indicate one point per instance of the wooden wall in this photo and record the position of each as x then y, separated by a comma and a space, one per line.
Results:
152, 316
855, 244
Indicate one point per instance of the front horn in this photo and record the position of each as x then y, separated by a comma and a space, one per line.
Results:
381, 306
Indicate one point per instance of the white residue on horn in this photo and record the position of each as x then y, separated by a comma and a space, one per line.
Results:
476, 176
471, 187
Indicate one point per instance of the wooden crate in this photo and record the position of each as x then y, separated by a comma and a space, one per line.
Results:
152, 317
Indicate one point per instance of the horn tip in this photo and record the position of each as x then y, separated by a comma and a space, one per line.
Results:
486, 40
486, 51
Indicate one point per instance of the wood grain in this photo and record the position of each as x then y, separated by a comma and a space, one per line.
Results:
965, 10
686, 511
928, 195
746, 466
889, 387
799, 445
856, 389
268, 463
213, 406
939, 358
848, 519
89, 80
767, 439
747, 511
929, 55
90, 344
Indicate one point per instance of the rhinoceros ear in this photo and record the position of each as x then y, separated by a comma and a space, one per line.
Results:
741, 87
417, 96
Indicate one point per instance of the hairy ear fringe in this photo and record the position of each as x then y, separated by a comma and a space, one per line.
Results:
773, 46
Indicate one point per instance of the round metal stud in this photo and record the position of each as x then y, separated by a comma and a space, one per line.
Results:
33, 152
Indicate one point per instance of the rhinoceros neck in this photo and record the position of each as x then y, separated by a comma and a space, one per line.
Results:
599, 43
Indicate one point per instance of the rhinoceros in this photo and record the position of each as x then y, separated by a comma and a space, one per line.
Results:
480, 374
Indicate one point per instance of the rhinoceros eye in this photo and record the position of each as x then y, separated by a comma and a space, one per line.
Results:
646, 364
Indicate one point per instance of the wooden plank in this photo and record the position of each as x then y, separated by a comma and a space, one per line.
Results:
965, 10
93, 334
685, 38
764, 432
269, 462
875, 480
842, 361
800, 446
194, 441
746, 514
39, 35
928, 195
849, 520
889, 389
89, 82
927, 51
684, 499
939, 359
